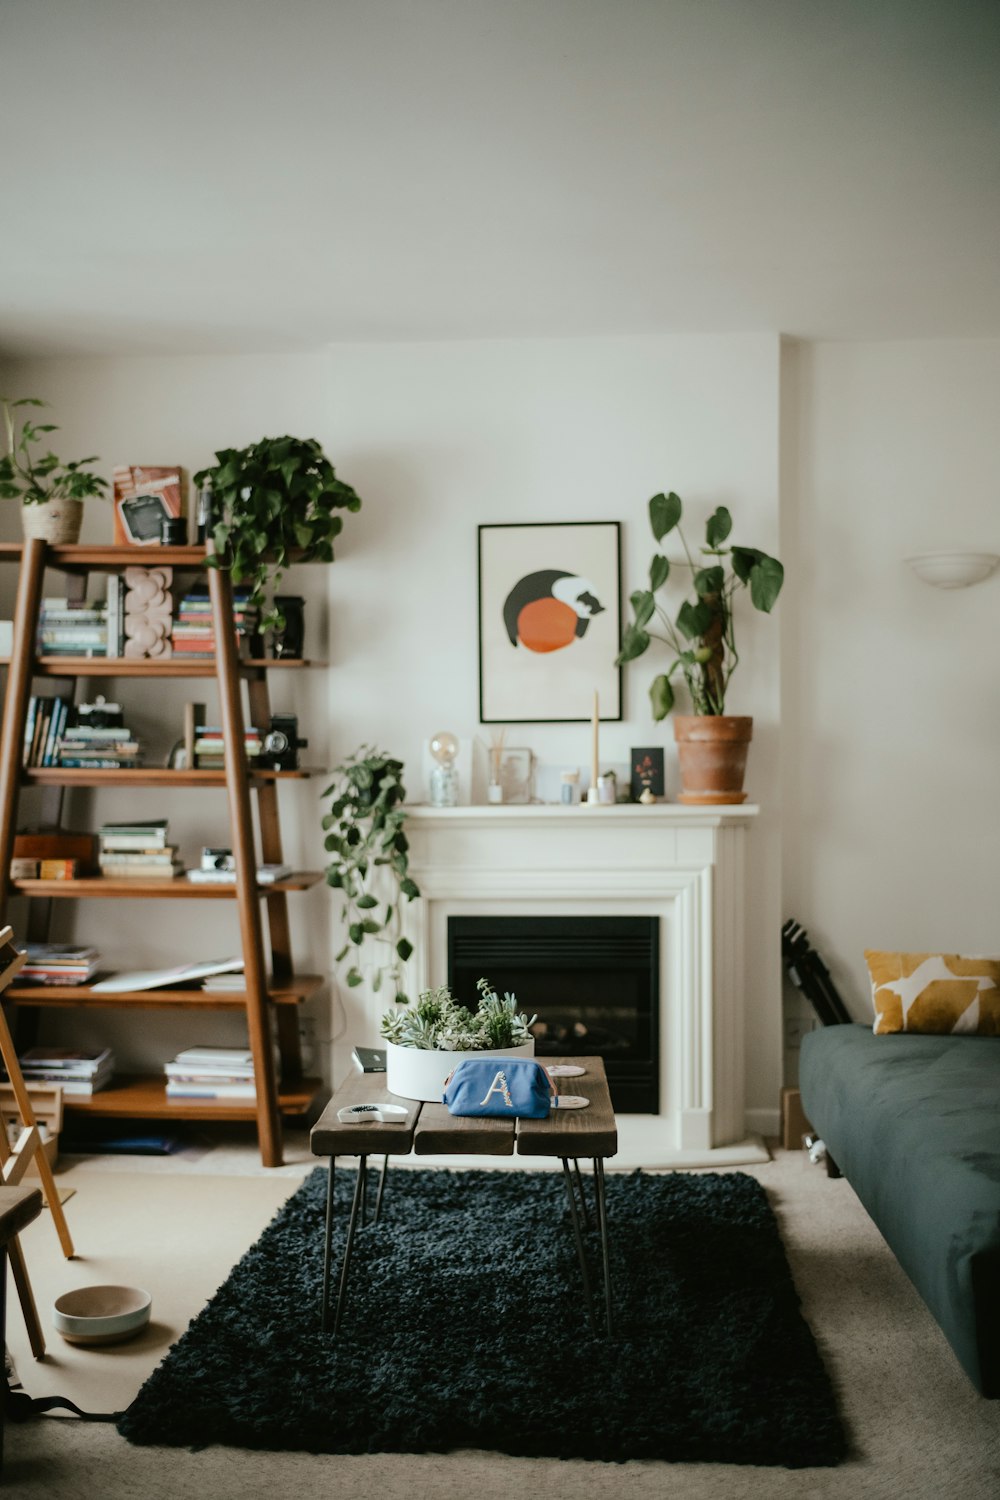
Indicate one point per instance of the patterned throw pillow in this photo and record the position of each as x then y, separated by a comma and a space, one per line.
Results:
935, 992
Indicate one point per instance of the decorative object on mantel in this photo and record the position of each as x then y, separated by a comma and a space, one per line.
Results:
953, 569
647, 782
549, 620
444, 776
270, 499
425, 1041
148, 612
369, 863
494, 792
51, 492
712, 745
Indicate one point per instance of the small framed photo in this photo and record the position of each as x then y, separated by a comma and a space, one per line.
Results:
517, 768
549, 622
647, 772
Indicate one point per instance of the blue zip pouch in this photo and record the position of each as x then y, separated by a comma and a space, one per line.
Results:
505, 1088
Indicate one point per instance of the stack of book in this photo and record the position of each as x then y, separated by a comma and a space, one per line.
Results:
79, 1072
43, 728
210, 750
81, 747
211, 1073
59, 963
137, 851
193, 633
66, 629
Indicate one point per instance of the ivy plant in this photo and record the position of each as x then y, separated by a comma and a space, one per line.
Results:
369, 862
275, 498
35, 480
701, 635
439, 1022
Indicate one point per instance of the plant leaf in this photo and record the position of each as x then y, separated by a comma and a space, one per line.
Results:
766, 579
634, 643
643, 605
718, 526
661, 696
659, 571
664, 513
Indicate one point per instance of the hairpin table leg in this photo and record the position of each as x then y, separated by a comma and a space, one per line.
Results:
583, 1197
602, 1220
381, 1188
574, 1215
327, 1251
359, 1188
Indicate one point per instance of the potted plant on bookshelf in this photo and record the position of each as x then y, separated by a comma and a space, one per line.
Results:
426, 1040
711, 744
274, 498
51, 492
369, 863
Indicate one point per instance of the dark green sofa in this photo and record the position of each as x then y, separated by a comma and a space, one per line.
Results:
913, 1122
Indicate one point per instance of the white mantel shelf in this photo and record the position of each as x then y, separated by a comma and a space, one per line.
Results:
682, 865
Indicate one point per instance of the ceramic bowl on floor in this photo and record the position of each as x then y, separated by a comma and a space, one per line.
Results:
101, 1314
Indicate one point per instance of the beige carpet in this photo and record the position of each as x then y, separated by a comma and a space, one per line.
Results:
177, 1226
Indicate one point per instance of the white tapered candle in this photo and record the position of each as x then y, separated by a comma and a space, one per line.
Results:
594, 772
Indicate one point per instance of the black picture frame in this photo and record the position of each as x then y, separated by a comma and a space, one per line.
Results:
537, 663
646, 770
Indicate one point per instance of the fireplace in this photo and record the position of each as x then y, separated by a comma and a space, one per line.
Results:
592, 982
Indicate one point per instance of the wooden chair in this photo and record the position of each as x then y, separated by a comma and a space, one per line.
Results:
28, 1148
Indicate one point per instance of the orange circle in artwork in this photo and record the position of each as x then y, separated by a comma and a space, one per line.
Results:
546, 625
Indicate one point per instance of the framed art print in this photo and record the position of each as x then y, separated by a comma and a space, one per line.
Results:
549, 622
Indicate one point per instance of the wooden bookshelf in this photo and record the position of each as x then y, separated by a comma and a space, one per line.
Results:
272, 991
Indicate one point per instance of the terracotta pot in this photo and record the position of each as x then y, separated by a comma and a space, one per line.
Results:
713, 756
55, 521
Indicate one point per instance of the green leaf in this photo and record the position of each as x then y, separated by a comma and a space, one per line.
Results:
409, 889
643, 605
661, 696
369, 926
345, 950
404, 949
634, 643
718, 526
366, 902
710, 581
659, 572
693, 619
765, 583
353, 978
356, 933
744, 560
664, 513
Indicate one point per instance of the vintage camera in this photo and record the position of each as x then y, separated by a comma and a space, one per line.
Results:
217, 859
280, 746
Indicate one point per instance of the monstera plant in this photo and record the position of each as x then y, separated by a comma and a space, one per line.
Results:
701, 635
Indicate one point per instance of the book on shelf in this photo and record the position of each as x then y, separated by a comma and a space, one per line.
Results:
206, 1056
78, 1072
179, 1090
57, 869
369, 1059
127, 837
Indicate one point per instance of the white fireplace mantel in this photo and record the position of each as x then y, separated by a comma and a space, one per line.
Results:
683, 865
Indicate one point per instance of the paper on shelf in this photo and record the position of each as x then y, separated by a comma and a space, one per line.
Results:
151, 979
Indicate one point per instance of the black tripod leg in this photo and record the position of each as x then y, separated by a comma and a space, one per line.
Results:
381, 1188
602, 1219
327, 1251
359, 1188
574, 1215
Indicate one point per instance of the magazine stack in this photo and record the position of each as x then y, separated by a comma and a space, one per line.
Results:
80, 1072
59, 963
211, 1073
66, 629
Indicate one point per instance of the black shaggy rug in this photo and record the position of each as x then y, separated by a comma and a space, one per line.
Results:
465, 1328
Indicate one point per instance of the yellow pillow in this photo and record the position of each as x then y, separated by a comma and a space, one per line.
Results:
935, 992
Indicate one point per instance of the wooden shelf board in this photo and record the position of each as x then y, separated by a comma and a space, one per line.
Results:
174, 666
145, 1097
153, 776
281, 992
101, 887
82, 556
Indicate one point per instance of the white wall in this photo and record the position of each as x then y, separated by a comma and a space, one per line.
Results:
891, 703
438, 438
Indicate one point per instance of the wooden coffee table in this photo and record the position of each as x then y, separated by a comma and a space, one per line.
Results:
429, 1130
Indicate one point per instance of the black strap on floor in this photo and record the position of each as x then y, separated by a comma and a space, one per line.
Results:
19, 1407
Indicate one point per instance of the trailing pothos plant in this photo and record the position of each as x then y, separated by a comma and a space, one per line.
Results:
369, 862
701, 634
276, 497
36, 480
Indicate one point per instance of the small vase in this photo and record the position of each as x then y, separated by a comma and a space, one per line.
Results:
420, 1073
57, 522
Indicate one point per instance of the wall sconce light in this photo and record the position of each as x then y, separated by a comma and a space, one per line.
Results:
953, 570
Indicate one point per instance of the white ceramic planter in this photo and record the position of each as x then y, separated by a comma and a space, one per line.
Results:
418, 1073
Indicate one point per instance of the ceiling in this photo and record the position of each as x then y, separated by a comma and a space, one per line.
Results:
256, 175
